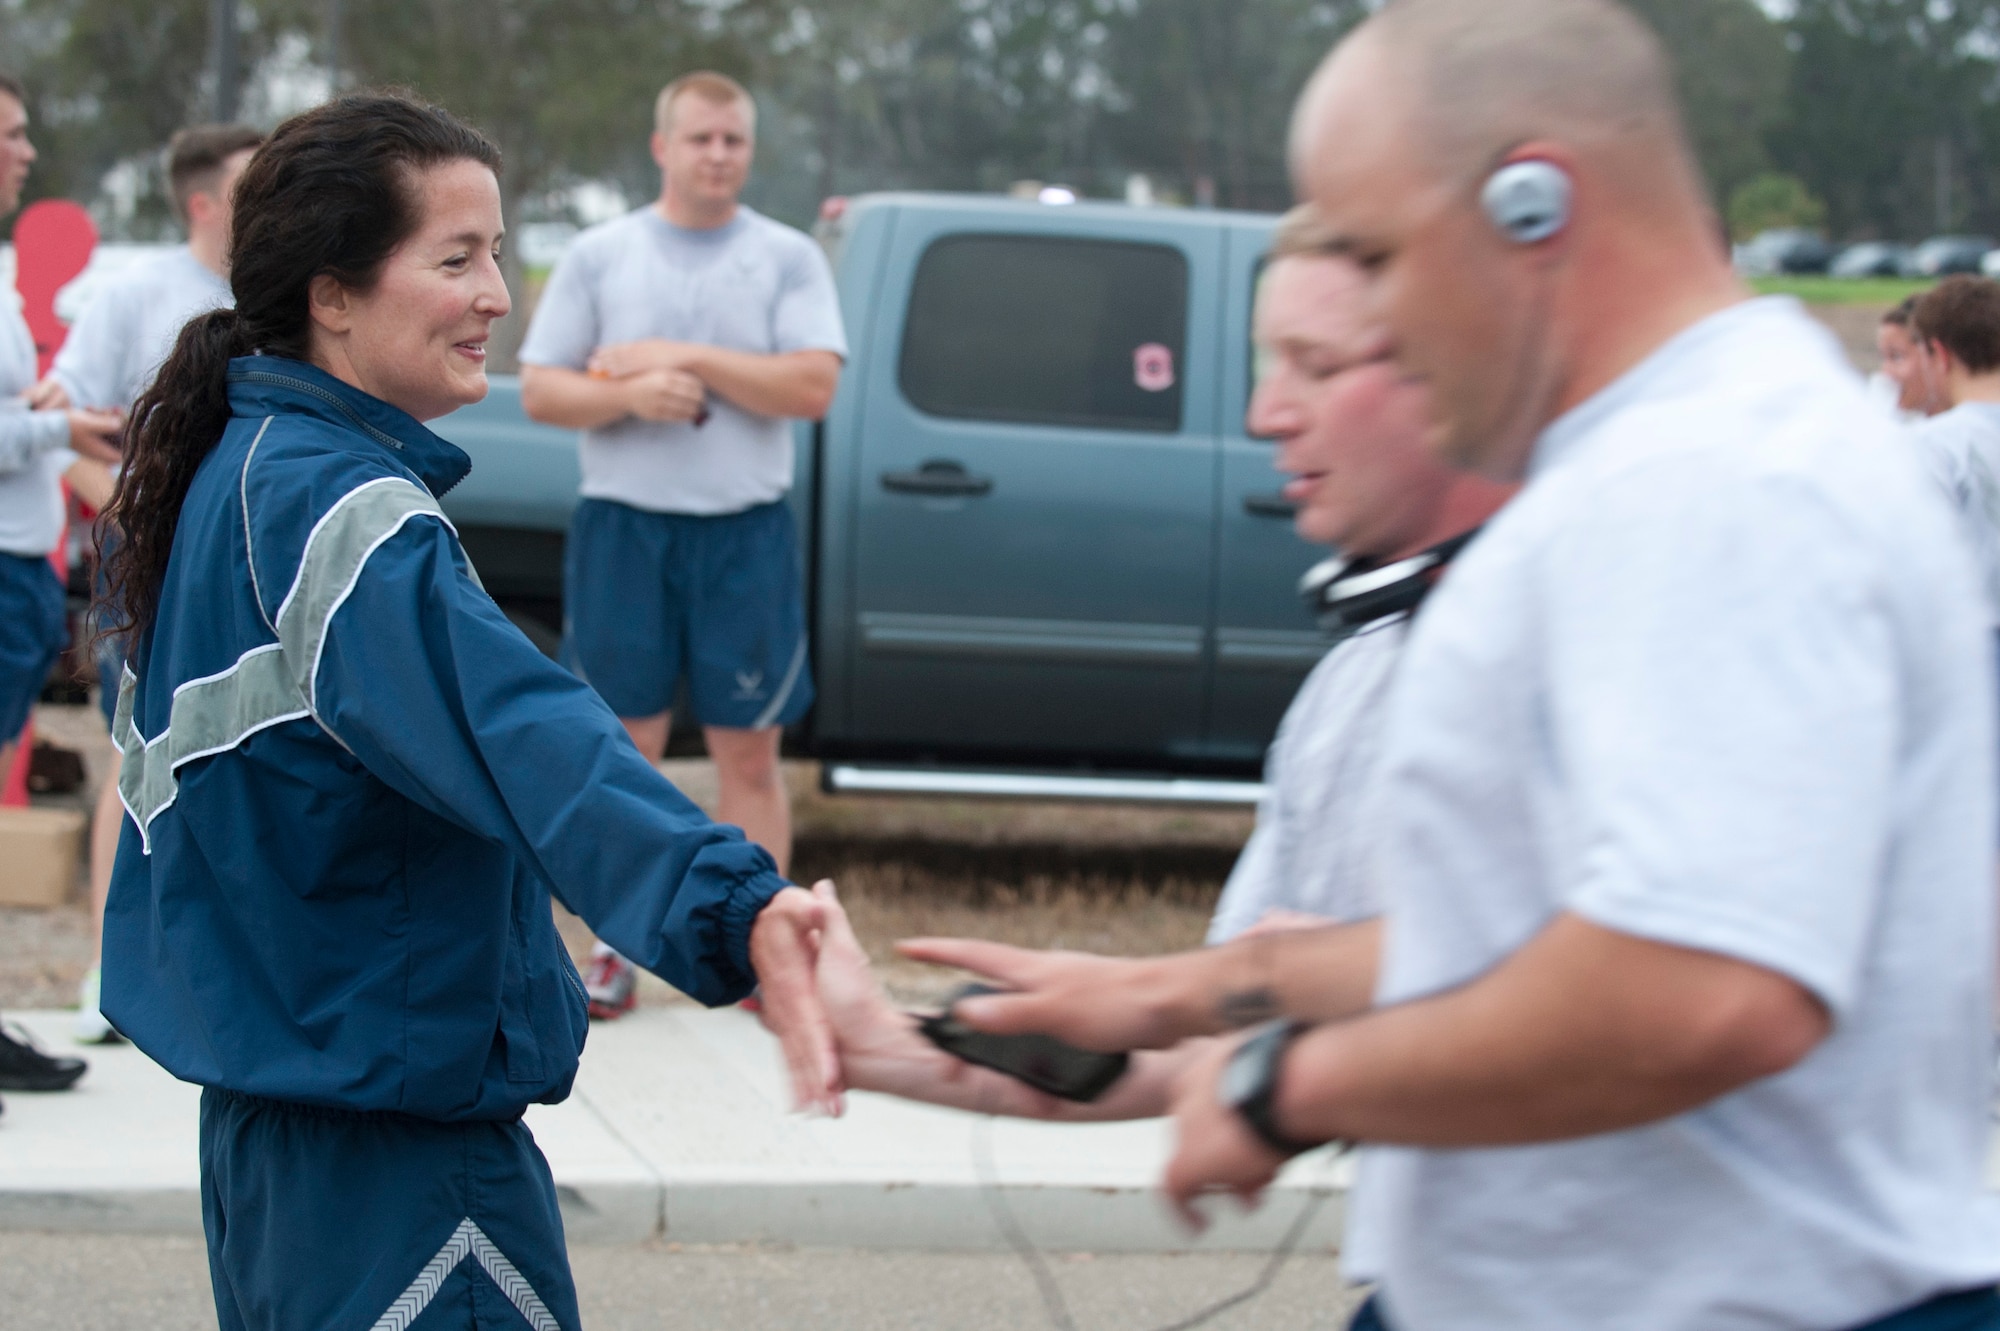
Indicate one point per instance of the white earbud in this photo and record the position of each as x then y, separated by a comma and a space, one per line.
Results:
1528, 201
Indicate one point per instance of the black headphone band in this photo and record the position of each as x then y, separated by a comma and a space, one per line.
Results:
1348, 595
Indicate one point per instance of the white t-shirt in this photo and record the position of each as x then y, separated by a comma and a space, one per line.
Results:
34, 446
1314, 846
121, 339
1720, 677
1962, 449
750, 285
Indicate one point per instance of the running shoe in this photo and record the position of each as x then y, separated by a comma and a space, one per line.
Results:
611, 984
90, 1027
24, 1067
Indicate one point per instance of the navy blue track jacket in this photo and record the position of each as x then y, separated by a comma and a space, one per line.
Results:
353, 786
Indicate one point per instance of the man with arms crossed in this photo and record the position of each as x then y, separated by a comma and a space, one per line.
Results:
39, 445
682, 339
110, 356
1678, 1016
1350, 434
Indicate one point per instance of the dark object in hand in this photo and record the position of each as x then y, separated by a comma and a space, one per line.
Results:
1042, 1061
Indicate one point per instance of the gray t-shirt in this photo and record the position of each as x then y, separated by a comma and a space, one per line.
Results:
1314, 846
750, 285
121, 339
1718, 678
34, 445
1961, 447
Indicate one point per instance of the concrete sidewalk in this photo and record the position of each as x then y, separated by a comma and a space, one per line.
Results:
677, 1128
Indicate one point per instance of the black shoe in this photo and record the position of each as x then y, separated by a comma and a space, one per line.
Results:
23, 1067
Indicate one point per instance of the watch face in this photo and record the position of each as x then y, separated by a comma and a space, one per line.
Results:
1243, 1075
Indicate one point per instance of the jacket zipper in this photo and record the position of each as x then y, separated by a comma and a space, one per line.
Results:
331, 399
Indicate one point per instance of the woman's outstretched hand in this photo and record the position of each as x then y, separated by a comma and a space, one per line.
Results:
785, 944
881, 1048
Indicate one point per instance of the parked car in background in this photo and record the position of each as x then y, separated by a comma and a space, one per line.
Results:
1044, 556
1871, 258
1941, 256
1788, 250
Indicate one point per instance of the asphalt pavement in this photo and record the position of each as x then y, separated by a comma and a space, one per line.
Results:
93, 1282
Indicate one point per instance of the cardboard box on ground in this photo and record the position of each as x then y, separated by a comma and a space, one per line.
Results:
39, 854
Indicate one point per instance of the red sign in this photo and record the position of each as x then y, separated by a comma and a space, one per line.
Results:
52, 243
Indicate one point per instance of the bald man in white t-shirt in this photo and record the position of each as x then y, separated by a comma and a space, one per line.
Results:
1678, 1016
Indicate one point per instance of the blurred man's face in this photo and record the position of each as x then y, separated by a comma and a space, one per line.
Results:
1933, 374
16, 153
1463, 309
1351, 430
211, 207
1904, 368
706, 149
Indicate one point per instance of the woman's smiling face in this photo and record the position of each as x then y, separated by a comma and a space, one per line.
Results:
417, 337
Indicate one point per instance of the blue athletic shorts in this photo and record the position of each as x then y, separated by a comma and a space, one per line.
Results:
33, 632
652, 598
329, 1220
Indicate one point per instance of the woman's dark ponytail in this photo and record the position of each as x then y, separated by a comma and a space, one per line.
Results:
333, 192
174, 425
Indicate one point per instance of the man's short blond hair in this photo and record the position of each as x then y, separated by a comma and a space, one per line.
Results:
706, 84
1302, 235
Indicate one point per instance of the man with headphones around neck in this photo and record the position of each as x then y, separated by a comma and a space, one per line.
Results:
1678, 1016
1350, 434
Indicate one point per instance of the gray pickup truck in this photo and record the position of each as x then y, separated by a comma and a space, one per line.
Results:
1044, 557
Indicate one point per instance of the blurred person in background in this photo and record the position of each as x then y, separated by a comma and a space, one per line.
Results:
39, 446
355, 786
1350, 433
1956, 329
108, 359
683, 339
1902, 372
1677, 1019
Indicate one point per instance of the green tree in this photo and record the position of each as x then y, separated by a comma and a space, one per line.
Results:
1733, 71
1206, 89
1890, 116
110, 81
1770, 201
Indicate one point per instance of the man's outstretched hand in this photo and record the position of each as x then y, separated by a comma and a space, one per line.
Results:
1109, 1004
784, 950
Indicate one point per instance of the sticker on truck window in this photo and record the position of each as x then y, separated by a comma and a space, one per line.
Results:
1153, 367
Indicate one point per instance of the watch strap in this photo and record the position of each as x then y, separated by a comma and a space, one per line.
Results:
1258, 1108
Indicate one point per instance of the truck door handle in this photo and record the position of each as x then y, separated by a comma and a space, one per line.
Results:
938, 477
1269, 506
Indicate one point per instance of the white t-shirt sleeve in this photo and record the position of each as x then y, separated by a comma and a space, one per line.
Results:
566, 327
90, 366
807, 314
1726, 719
1259, 871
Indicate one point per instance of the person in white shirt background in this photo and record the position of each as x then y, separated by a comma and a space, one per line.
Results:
112, 351
1349, 433
1902, 376
1955, 332
42, 443
1678, 1016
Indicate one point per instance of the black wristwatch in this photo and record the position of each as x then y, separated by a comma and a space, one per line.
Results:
1249, 1083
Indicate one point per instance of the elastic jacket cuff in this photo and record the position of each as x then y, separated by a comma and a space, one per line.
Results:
739, 917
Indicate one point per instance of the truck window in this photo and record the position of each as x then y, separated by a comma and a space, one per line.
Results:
1048, 331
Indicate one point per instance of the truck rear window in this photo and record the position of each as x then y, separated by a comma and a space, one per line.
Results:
1048, 331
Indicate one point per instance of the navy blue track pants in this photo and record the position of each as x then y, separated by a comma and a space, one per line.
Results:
320, 1219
